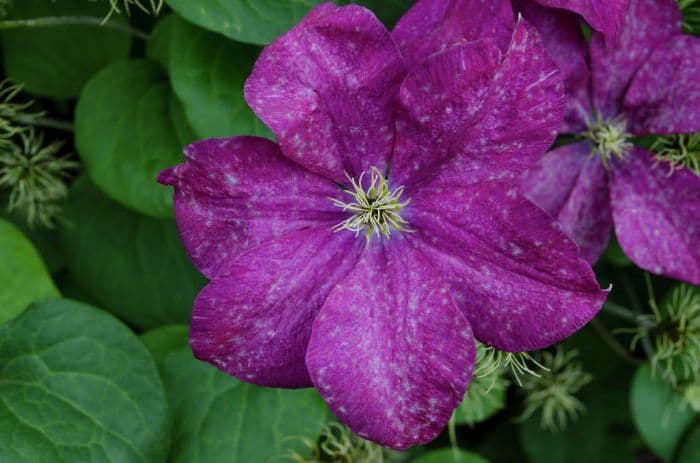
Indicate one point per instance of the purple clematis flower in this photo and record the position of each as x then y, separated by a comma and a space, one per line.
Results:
604, 16
432, 25
364, 252
648, 84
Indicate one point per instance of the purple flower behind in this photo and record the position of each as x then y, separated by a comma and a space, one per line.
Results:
604, 16
430, 26
365, 251
649, 83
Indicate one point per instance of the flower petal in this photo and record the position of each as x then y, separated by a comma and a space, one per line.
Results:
516, 275
664, 96
328, 90
562, 35
432, 26
471, 118
572, 186
605, 16
235, 193
390, 351
647, 24
656, 216
255, 324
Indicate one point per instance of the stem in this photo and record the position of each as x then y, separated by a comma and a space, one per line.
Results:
49, 21
47, 122
610, 340
452, 430
621, 311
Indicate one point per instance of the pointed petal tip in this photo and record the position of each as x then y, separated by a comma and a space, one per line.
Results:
167, 177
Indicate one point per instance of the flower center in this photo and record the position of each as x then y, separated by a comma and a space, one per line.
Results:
680, 151
609, 138
375, 209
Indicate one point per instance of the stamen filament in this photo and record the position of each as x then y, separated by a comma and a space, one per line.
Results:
375, 209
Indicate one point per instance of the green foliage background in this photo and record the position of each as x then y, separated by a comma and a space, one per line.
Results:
94, 363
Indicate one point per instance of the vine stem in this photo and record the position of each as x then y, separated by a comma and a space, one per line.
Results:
50, 21
613, 343
46, 122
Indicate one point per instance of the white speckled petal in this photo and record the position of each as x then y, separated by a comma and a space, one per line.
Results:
657, 216
648, 23
255, 324
562, 35
432, 26
605, 16
390, 351
234, 193
665, 94
328, 89
471, 117
572, 186
517, 276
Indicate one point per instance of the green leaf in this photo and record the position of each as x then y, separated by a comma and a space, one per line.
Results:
208, 73
691, 447
158, 45
56, 61
163, 340
484, 398
43, 239
256, 22
78, 386
132, 265
449, 455
23, 276
128, 127
218, 418
389, 11
658, 412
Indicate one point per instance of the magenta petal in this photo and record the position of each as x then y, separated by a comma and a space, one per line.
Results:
605, 16
656, 216
255, 324
648, 23
234, 193
572, 186
431, 26
565, 43
665, 94
390, 351
328, 90
516, 275
470, 118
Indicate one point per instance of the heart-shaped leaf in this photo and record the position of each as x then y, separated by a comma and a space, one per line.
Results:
56, 60
255, 22
208, 73
23, 276
658, 412
77, 385
128, 127
218, 418
131, 264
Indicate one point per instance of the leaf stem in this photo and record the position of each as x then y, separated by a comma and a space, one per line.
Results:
621, 312
50, 21
452, 431
613, 343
